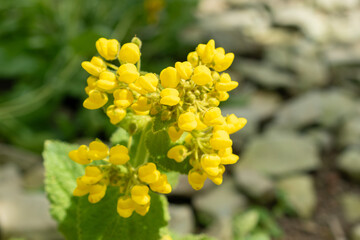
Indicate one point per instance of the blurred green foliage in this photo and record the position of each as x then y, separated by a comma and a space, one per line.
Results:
43, 42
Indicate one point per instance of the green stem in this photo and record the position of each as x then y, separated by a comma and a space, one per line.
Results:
142, 154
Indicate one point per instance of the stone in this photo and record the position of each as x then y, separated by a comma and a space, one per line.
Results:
350, 203
220, 202
327, 108
255, 184
184, 189
350, 131
349, 162
355, 232
278, 153
182, 219
335, 5
10, 181
321, 138
221, 229
299, 191
34, 177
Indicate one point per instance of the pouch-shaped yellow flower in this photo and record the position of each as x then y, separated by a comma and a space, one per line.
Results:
119, 154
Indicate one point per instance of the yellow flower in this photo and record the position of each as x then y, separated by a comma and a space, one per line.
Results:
227, 157
184, 69
200, 125
209, 52
129, 53
169, 77
178, 153
141, 107
174, 134
210, 163
92, 175
80, 155
193, 58
220, 140
119, 154
187, 121
142, 209
202, 75
108, 49
213, 117
218, 179
123, 98
149, 82
222, 96
223, 61
91, 84
140, 194
115, 114
125, 207
98, 150
95, 66
196, 179
95, 100
127, 73
162, 185
234, 123
200, 49
81, 189
96, 193
148, 173
107, 81
169, 97
225, 83
135, 86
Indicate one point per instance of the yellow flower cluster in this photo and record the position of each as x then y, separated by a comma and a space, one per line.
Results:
186, 95
114, 170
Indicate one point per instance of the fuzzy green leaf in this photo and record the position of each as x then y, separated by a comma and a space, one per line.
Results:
79, 219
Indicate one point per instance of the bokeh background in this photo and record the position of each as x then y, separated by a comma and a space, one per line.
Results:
298, 67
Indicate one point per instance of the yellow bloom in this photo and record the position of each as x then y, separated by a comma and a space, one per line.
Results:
140, 194
98, 150
174, 134
218, 179
115, 114
107, 81
227, 157
225, 83
119, 154
108, 49
200, 125
196, 179
184, 69
213, 117
95, 66
127, 73
149, 82
234, 123
169, 97
125, 207
178, 153
123, 98
142, 209
81, 189
96, 193
202, 75
162, 185
169, 77
92, 175
135, 86
187, 121
148, 173
141, 107
91, 84
210, 163
220, 140
200, 49
193, 58
223, 61
129, 53
95, 100
80, 155
222, 96
209, 52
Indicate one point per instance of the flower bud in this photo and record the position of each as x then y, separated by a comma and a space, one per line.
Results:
169, 97
108, 49
119, 154
127, 73
169, 77
193, 58
129, 53
209, 52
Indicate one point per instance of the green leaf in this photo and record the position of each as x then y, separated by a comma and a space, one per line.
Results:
120, 136
166, 164
79, 219
245, 223
157, 143
161, 124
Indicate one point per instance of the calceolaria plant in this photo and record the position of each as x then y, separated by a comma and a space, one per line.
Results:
168, 122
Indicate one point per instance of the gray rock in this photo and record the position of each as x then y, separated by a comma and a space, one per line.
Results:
280, 153
10, 181
34, 177
349, 162
221, 229
355, 232
321, 138
183, 188
255, 184
326, 108
350, 131
350, 203
182, 219
299, 193
212, 202
335, 5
